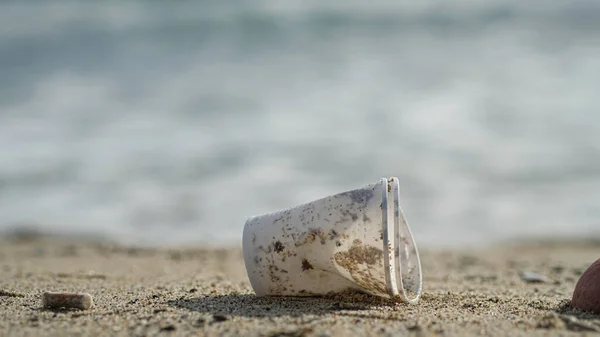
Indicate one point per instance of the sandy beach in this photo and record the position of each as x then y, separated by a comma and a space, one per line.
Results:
205, 292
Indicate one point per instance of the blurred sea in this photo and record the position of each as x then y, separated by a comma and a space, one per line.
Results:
171, 122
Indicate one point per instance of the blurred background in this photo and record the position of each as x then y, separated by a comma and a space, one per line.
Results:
172, 122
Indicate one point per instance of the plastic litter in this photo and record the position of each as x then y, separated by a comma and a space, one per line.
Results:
357, 239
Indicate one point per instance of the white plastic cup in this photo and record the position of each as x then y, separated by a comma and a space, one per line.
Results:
352, 240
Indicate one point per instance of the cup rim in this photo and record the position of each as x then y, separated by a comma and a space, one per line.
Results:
392, 219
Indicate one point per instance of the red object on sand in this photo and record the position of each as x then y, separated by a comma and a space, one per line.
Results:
587, 291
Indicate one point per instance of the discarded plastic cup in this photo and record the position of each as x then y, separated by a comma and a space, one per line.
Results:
352, 240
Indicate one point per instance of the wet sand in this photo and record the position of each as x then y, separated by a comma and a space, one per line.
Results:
205, 292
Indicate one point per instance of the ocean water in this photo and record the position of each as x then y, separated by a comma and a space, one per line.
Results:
172, 122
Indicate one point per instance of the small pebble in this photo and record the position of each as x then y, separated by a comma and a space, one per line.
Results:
54, 300
531, 277
587, 290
